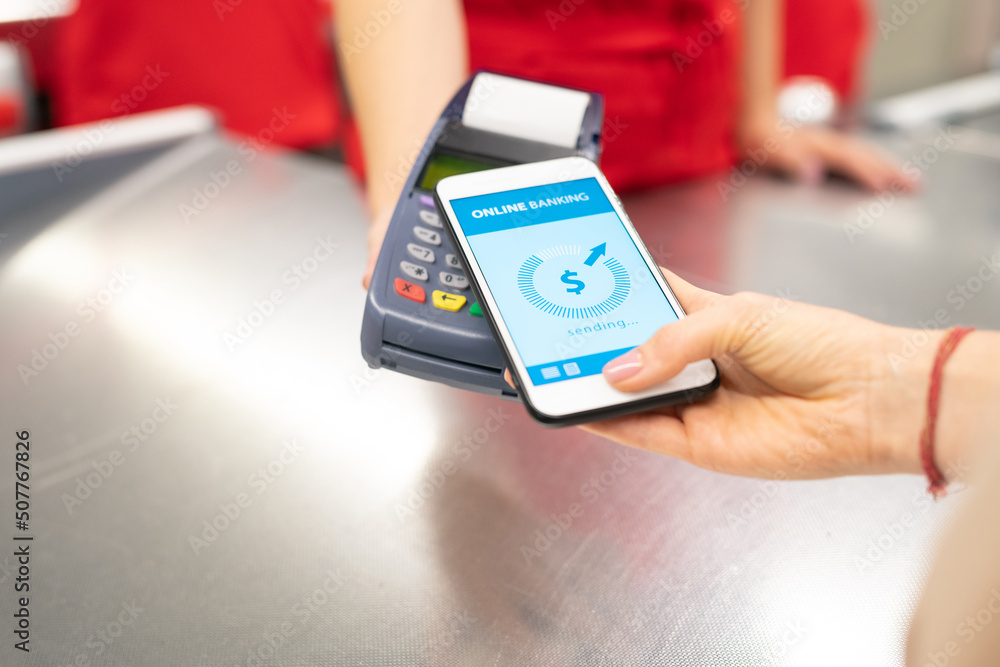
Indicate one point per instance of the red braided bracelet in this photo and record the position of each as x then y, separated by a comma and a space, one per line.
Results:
945, 349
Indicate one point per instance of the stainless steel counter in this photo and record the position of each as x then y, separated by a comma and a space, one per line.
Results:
218, 479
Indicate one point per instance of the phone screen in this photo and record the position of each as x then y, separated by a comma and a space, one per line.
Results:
569, 282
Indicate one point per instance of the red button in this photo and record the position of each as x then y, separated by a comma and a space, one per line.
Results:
410, 291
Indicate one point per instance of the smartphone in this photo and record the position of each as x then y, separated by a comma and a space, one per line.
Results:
566, 285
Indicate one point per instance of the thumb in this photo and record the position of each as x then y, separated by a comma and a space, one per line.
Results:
692, 298
706, 334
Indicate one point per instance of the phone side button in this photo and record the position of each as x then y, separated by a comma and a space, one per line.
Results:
410, 291
446, 301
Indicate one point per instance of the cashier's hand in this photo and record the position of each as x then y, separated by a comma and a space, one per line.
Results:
806, 392
376, 234
806, 153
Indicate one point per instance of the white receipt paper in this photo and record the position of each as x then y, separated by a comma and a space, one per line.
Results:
525, 109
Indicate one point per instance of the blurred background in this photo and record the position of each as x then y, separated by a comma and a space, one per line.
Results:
942, 41
64, 62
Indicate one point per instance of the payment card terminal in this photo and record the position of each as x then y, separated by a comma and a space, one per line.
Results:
421, 316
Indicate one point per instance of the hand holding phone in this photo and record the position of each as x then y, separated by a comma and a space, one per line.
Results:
566, 284
807, 392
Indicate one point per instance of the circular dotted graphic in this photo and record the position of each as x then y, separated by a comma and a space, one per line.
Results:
572, 282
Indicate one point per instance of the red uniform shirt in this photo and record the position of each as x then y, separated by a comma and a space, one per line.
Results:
248, 60
827, 39
666, 68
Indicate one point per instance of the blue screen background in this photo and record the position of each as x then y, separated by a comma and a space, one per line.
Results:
571, 285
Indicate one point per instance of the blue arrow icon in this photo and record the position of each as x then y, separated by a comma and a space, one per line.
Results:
596, 252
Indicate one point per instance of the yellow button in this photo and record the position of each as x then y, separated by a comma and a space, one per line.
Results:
447, 301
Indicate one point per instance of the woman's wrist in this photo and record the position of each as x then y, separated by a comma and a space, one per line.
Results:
903, 364
968, 414
969, 408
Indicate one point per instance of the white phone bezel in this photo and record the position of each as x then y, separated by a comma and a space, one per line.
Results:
563, 399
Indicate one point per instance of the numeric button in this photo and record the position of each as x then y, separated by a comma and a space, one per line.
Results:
427, 236
452, 262
430, 218
453, 280
420, 252
415, 271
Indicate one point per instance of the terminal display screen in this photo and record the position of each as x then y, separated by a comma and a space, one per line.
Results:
442, 165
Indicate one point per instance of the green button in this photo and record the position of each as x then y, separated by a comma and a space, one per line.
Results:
474, 309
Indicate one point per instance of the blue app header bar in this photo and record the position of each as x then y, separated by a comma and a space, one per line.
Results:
530, 206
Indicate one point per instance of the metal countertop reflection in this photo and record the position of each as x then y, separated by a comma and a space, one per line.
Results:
218, 479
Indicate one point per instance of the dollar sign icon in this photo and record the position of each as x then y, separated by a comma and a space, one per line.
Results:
567, 278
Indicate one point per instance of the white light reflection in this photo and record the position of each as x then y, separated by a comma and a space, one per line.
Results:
59, 260
300, 380
383, 431
180, 327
